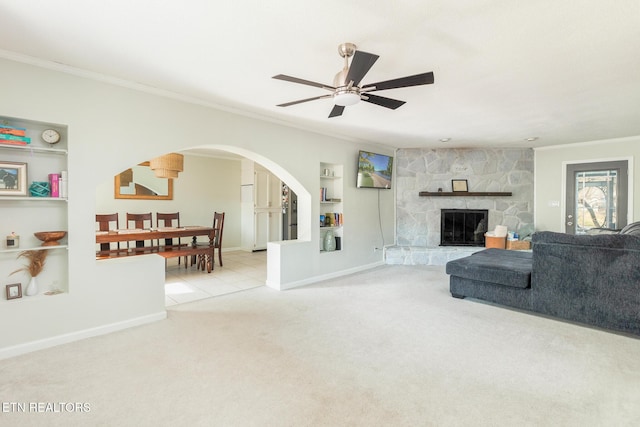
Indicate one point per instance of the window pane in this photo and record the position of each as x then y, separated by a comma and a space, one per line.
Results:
596, 200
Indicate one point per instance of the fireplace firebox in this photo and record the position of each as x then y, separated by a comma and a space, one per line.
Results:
463, 227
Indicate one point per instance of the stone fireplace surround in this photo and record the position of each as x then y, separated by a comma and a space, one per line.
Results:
486, 170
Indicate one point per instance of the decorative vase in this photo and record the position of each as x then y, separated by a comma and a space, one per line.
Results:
39, 189
32, 288
329, 241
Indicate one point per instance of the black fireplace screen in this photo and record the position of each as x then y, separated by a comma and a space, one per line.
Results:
463, 227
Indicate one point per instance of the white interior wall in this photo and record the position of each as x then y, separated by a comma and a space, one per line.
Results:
549, 175
112, 127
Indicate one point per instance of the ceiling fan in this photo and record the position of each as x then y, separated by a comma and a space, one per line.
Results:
346, 89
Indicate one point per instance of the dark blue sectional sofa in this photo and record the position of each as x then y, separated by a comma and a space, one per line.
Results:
590, 279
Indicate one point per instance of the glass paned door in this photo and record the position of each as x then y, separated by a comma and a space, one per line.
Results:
596, 196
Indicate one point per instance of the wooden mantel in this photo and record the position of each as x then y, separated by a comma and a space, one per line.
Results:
463, 193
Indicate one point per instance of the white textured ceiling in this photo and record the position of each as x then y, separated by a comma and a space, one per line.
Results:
563, 71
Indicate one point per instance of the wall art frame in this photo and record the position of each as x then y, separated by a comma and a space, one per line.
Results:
13, 179
459, 185
14, 291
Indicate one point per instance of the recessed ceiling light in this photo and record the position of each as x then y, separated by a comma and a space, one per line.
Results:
445, 139
531, 138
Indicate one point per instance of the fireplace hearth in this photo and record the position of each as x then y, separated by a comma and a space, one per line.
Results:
463, 227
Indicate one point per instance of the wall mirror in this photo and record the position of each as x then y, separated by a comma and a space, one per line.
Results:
139, 182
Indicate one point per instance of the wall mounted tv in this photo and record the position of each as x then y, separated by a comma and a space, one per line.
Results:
374, 170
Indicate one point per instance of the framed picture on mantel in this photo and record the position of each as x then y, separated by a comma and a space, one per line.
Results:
459, 185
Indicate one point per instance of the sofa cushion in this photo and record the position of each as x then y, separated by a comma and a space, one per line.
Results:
499, 266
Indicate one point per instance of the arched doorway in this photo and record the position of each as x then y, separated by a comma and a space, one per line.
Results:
204, 188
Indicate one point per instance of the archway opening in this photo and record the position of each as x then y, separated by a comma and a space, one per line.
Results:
201, 189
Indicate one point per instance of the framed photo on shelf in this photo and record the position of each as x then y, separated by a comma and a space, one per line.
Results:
14, 291
459, 185
13, 179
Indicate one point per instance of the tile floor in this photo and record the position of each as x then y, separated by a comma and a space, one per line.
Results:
242, 270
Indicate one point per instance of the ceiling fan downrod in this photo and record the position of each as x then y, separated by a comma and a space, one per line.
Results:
346, 93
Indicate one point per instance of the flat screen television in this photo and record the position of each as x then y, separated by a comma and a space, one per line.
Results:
374, 170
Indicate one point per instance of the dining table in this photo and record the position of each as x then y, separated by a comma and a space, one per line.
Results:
156, 234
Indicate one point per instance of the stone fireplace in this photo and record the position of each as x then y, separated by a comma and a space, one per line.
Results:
487, 170
463, 227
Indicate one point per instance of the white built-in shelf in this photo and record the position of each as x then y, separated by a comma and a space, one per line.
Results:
331, 201
37, 297
27, 214
34, 149
35, 248
34, 199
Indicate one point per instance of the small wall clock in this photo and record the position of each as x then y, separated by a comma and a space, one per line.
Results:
51, 136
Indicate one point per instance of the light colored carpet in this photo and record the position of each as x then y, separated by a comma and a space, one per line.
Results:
387, 347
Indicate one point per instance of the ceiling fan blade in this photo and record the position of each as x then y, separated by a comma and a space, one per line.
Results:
360, 65
302, 81
336, 111
300, 101
382, 101
417, 80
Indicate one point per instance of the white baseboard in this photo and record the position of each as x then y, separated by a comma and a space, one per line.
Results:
28, 347
322, 277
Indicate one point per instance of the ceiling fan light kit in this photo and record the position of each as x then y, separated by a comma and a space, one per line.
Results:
345, 99
346, 89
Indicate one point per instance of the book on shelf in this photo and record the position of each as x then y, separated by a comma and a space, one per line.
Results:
63, 185
54, 183
10, 130
10, 141
332, 219
16, 138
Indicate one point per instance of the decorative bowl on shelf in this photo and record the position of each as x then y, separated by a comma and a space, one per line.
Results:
50, 238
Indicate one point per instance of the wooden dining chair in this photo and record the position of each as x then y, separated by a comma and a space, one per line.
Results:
218, 227
170, 220
142, 221
107, 222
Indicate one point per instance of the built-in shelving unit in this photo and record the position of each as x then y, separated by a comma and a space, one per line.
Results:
26, 214
331, 207
464, 193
